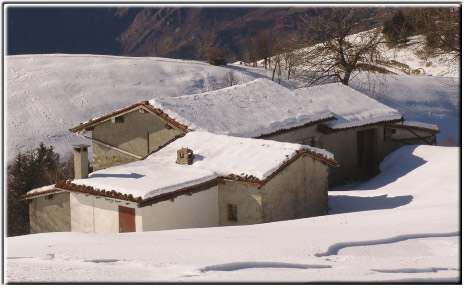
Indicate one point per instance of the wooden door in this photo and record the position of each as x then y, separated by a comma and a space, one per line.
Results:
126, 219
367, 153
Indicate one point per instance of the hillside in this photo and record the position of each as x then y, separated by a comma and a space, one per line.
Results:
166, 31
48, 94
403, 226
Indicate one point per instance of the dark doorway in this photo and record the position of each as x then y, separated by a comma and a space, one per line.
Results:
367, 153
127, 219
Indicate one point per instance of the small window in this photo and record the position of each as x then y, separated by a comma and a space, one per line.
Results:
389, 132
118, 119
232, 212
181, 155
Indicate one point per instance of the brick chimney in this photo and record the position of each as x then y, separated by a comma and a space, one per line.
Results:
81, 161
184, 156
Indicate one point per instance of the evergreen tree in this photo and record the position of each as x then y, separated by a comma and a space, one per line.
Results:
32, 169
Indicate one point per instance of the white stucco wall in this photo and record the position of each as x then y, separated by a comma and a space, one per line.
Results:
98, 214
196, 211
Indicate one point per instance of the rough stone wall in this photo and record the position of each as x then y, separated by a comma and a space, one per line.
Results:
50, 213
139, 134
247, 199
298, 191
104, 157
343, 145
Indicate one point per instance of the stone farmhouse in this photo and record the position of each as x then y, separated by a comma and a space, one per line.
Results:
357, 129
247, 154
199, 180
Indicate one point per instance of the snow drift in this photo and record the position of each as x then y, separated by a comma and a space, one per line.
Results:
401, 226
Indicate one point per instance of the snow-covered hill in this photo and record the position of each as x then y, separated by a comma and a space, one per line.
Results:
48, 94
402, 226
410, 58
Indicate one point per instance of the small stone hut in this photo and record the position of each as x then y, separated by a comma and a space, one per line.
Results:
230, 181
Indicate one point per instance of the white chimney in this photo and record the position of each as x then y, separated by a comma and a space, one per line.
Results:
80, 161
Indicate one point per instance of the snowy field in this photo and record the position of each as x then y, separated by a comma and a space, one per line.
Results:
48, 94
401, 226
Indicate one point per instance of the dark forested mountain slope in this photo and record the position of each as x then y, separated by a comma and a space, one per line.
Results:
169, 31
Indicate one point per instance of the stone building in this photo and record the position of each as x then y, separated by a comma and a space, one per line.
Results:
334, 117
224, 181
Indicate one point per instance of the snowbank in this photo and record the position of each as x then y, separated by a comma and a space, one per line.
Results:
402, 226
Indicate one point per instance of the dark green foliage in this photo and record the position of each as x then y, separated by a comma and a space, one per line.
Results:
397, 29
31, 169
216, 56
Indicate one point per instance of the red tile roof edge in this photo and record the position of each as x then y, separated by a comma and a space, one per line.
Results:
145, 103
328, 129
37, 194
68, 185
255, 181
415, 127
284, 130
250, 180
185, 189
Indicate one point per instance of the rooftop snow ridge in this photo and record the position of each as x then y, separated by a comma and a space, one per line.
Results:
245, 110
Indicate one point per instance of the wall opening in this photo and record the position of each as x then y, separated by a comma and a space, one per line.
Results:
367, 153
232, 213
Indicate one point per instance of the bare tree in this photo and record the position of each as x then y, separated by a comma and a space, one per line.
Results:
336, 52
262, 47
444, 32
206, 40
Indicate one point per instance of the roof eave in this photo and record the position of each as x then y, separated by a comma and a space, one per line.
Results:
284, 130
326, 129
435, 131
145, 104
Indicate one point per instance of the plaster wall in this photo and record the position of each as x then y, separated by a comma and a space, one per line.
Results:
300, 135
50, 213
139, 134
298, 191
196, 211
98, 214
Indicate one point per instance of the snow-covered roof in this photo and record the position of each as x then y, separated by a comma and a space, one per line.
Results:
350, 107
215, 156
417, 125
246, 110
